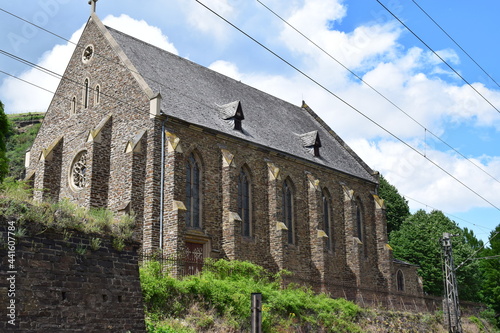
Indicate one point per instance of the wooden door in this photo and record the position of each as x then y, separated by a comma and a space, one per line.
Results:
194, 258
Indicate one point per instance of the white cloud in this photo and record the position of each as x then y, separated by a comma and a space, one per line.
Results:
21, 97
419, 179
205, 21
141, 30
226, 68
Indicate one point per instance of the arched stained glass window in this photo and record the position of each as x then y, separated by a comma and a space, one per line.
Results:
97, 94
400, 281
86, 94
193, 193
73, 105
244, 202
287, 209
359, 222
327, 225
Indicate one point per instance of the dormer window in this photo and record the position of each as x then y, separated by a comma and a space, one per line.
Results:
311, 142
237, 124
232, 113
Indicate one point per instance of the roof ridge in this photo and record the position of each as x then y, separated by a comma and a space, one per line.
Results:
160, 67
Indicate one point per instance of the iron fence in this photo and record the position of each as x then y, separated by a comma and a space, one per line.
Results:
183, 265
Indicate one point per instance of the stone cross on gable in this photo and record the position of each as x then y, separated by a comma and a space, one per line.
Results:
92, 4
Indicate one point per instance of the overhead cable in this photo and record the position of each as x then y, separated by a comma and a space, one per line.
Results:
437, 55
378, 92
347, 103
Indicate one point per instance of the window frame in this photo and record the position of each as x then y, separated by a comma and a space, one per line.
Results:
288, 207
73, 106
400, 281
86, 93
245, 200
97, 94
360, 232
193, 192
327, 218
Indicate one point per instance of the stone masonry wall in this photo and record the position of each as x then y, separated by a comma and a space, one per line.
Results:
103, 129
344, 264
56, 289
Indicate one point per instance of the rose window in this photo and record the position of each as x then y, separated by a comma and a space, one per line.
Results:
87, 53
79, 170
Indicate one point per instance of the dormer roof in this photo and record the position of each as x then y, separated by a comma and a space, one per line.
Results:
231, 110
310, 139
272, 124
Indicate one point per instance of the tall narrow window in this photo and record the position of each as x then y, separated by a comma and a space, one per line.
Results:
86, 94
73, 105
193, 198
326, 218
359, 222
288, 210
97, 94
244, 202
400, 281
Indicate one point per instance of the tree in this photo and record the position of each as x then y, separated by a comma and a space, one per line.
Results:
4, 130
18, 141
475, 243
397, 209
491, 269
418, 242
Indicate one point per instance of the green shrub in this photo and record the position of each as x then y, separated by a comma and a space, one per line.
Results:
223, 291
16, 202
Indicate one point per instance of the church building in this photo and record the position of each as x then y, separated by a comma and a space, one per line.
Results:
214, 168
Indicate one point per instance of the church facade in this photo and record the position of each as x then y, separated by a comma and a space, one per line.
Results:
213, 168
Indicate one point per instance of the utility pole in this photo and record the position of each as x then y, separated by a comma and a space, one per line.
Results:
450, 302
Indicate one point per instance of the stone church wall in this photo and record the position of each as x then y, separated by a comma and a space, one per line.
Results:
123, 146
103, 129
56, 289
338, 269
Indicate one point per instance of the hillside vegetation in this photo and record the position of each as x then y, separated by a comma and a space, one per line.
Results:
218, 300
19, 138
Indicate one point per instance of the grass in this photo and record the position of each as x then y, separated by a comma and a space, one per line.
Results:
16, 201
218, 300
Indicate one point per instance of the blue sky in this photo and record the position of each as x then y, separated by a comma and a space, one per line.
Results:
361, 35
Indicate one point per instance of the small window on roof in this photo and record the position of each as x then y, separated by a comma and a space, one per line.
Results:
233, 113
311, 142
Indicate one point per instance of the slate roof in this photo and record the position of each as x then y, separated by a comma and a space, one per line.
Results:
401, 262
194, 93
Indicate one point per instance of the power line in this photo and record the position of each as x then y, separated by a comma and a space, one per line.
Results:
33, 24
61, 77
375, 90
437, 55
74, 82
453, 40
98, 54
471, 257
348, 104
141, 110
455, 217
